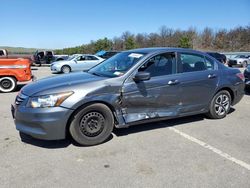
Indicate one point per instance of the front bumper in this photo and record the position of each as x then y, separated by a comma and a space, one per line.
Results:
42, 123
55, 68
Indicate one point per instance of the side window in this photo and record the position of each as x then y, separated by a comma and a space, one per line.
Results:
163, 64
49, 53
80, 58
41, 54
192, 62
90, 58
209, 63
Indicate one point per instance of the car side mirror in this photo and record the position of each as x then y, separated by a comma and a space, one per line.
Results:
142, 76
75, 61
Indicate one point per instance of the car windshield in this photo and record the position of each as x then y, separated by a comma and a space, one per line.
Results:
117, 65
240, 56
71, 57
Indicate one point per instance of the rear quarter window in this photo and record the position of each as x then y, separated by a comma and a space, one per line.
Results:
210, 64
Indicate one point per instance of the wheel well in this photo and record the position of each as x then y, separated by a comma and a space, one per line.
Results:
112, 109
230, 91
66, 66
8, 76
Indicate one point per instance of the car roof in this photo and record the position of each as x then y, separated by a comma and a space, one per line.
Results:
157, 49
83, 54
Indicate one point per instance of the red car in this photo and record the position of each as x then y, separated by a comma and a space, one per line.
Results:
13, 71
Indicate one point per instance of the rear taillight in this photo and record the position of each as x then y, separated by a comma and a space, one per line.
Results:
241, 76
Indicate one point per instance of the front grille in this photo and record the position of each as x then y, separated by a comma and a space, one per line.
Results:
20, 98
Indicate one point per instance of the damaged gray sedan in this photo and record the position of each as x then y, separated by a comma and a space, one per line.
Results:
132, 87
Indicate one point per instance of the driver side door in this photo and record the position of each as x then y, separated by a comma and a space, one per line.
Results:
157, 97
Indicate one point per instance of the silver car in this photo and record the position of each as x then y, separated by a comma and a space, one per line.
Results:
239, 60
77, 62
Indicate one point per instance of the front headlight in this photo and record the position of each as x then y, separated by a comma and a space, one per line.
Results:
46, 101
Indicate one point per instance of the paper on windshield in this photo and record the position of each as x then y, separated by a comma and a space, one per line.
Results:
117, 73
135, 55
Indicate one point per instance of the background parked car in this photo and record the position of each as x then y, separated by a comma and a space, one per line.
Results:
3, 53
239, 60
220, 57
46, 57
13, 71
247, 77
78, 62
106, 54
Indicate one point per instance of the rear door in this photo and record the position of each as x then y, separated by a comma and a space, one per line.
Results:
86, 62
155, 98
90, 61
198, 81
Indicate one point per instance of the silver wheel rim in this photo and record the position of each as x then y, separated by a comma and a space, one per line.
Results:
66, 69
222, 104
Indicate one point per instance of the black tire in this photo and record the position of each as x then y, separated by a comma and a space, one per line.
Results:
220, 105
244, 64
65, 69
8, 84
92, 125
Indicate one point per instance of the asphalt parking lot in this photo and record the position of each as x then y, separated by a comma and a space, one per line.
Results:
187, 152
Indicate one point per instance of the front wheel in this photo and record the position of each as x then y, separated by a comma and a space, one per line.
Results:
65, 69
7, 84
244, 64
220, 105
92, 125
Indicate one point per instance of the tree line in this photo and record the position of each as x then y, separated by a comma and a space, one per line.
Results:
222, 40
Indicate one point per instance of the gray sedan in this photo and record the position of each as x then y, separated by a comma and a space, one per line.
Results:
132, 87
77, 62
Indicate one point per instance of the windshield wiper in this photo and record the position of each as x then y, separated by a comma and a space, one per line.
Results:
96, 74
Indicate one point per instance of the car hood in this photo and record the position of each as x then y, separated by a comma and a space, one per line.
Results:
62, 62
60, 83
239, 59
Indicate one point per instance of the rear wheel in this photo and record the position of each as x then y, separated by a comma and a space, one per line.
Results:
7, 84
92, 125
220, 105
66, 69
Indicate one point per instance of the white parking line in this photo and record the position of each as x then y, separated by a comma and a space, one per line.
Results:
209, 147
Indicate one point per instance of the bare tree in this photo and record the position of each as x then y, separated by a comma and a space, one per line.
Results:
236, 39
207, 38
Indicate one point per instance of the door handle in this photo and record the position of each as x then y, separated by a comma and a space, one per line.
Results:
173, 82
210, 76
